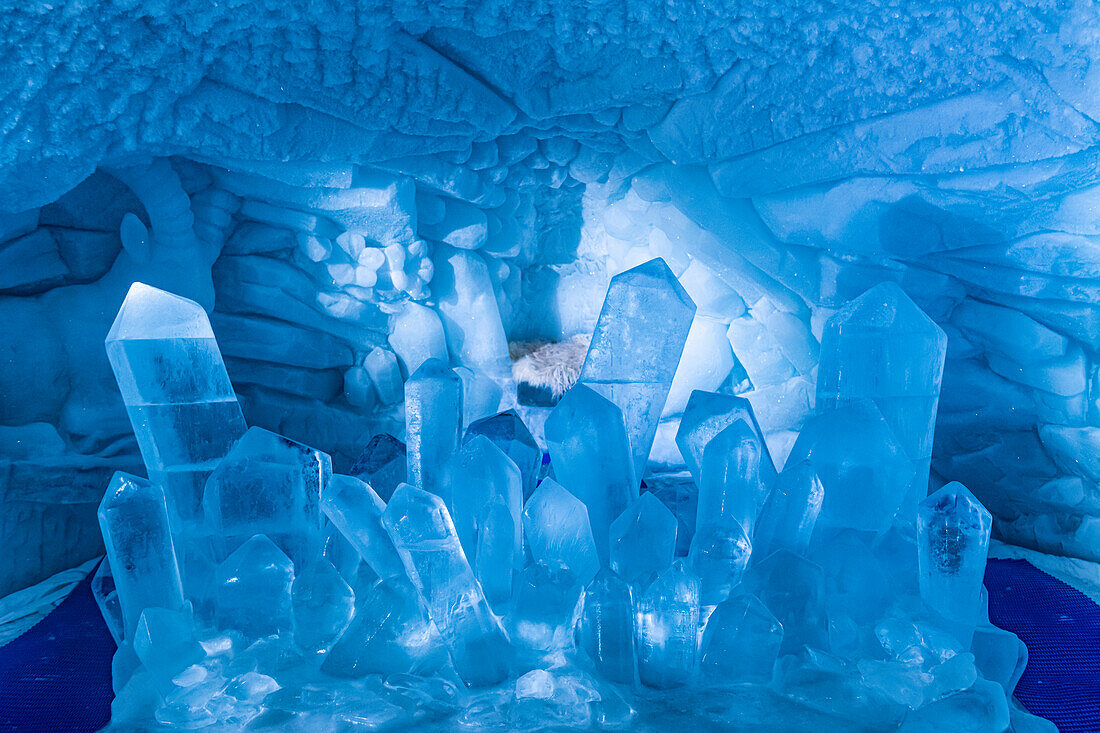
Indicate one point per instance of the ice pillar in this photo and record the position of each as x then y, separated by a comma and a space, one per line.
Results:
433, 422
177, 392
636, 348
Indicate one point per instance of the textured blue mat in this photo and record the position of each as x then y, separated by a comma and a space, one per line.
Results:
57, 677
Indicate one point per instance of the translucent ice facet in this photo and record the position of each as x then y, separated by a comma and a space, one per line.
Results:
253, 594
382, 464
165, 643
787, 520
953, 544
133, 517
390, 633
356, 511
323, 603
268, 485
882, 347
177, 392
425, 538
544, 612
707, 414
793, 590
509, 433
591, 457
741, 641
433, 423
668, 628
718, 556
483, 492
636, 348
106, 597
607, 627
1000, 655
862, 467
643, 540
730, 487
558, 532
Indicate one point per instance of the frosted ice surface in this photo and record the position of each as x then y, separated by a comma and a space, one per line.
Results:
636, 347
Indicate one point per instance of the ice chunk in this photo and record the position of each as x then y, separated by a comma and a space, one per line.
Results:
433, 423
425, 538
268, 485
793, 590
708, 414
643, 540
636, 348
356, 511
483, 492
731, 486
416, 335
558, 532
390, 633
787, 520
544, 612
133, 517
253, 593
590, 453
382, 464
741, 641
166, 644
953, 544
706, 362
481, 396
1000, 655
509, 433
385, 374
718, 556
177, 392
668, 628
106, 597
882, 347
323, 605
607, 627
862, 467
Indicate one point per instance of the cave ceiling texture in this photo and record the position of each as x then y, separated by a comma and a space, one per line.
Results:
330, 178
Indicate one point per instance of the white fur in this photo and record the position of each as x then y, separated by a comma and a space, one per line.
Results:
553, 365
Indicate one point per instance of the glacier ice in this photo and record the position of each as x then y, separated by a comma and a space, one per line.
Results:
308, 592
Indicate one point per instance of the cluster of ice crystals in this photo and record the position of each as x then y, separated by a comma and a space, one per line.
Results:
448, 579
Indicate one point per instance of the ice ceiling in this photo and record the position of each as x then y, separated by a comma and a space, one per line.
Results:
411, 177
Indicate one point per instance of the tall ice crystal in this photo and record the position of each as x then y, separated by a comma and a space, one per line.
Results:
177, 393
636, 348
882, 347
433, 422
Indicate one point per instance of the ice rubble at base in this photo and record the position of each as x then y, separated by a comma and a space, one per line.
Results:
467, 589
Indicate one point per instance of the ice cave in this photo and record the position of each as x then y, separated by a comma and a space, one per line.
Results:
561, 365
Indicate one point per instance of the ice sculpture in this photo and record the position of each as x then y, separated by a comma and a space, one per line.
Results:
323, 604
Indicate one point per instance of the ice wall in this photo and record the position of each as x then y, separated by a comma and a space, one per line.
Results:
347, 185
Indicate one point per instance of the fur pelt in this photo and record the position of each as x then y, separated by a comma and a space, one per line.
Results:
552, 365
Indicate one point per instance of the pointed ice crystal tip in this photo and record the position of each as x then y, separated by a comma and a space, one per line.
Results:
151, 313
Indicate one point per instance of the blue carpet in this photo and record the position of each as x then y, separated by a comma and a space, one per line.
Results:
56, 678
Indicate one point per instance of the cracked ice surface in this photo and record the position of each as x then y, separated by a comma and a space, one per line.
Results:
356, 189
